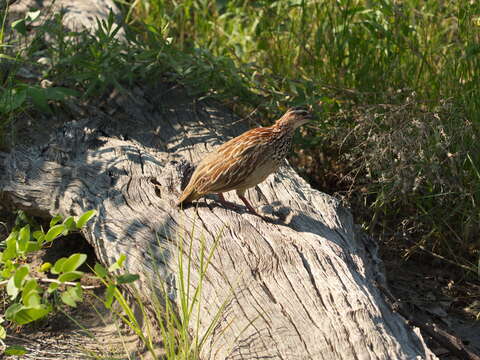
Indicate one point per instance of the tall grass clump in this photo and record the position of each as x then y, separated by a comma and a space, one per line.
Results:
398, 86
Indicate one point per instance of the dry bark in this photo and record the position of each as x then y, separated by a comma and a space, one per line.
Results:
301, 286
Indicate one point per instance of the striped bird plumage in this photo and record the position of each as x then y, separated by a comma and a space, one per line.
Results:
244, 161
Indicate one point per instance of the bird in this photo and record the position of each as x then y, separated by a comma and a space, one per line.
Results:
244, 161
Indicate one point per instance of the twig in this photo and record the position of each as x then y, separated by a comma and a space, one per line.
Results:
47, 280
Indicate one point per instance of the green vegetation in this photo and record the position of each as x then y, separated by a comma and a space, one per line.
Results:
396, 85
26, 303
32, 294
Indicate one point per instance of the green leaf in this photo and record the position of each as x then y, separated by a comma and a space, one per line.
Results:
20, 26
39, 99
3, 333
23, 238
29, 286
8, 269
58, 267
85, 217
127, 278
32, 300
69, 224
52, 287
20, 275
109, 295
12, 290
60, 93
54, 232
55, 220
45, 267
32, 15
26, 315
39, 235
118, 264
11, 250
70, 276
32, 246
12, 310
100, 271
15, 350
72, 296
11, 100
74, 262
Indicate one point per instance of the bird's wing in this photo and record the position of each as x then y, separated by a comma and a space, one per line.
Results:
233, 162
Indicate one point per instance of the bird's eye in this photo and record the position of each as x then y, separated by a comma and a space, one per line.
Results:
302, 113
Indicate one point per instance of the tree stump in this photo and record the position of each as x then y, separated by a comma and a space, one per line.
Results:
300, 286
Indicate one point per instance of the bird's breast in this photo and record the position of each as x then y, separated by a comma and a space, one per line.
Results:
282, 147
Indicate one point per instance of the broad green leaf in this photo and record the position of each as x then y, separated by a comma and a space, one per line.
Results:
55, 220
74, 262
58, 267
52, 287
12, 290
85, 217
54, 232
32, 300
100, 271
70, 276
29, 286
11, 251
23, 238
15, 350
26, 315
127, 278
69, 224
32, 246
20, 275
12, 310
39, 235
72, 296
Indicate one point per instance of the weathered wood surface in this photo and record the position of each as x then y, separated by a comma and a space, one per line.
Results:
301, 286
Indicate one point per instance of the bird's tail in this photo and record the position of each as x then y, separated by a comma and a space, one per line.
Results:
188, 196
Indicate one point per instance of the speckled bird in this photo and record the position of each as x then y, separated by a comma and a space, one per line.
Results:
244, 161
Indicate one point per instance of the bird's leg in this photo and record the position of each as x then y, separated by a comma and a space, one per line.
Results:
227, 204
247, 204
241, 195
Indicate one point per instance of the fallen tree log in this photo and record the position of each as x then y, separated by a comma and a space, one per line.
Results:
301, 286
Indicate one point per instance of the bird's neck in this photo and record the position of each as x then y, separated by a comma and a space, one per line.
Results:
283, 128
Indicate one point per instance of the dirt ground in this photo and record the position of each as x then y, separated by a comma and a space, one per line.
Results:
430, 290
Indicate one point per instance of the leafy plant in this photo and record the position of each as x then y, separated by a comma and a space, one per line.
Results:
22, 285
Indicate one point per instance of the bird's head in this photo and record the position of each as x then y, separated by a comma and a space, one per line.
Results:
294, 118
